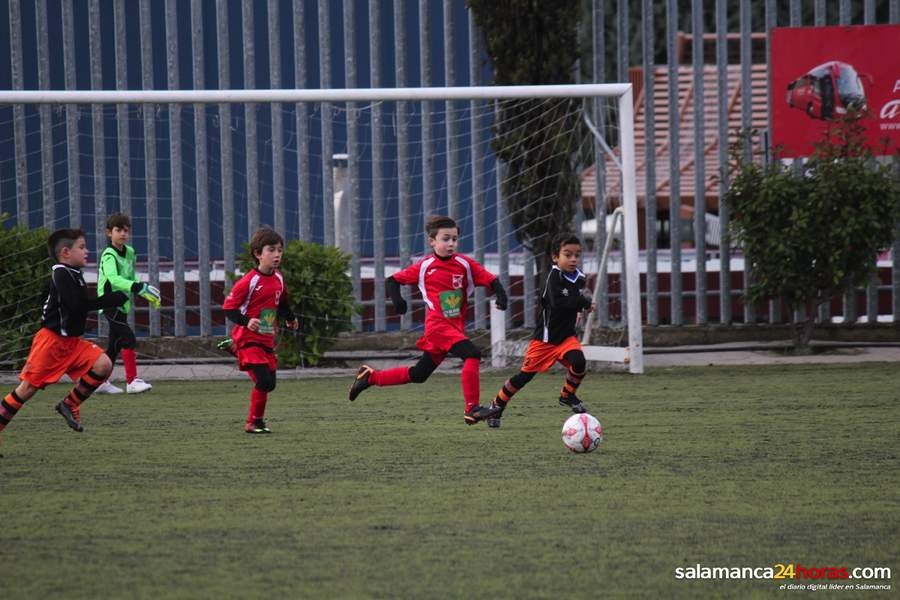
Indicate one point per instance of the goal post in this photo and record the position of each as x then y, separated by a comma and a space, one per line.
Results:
344, 104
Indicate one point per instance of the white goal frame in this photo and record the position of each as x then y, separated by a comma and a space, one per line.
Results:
632, 355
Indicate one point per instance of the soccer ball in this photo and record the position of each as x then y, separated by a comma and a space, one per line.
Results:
582, 433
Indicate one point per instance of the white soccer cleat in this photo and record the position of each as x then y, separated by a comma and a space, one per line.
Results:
107, 388
138, 385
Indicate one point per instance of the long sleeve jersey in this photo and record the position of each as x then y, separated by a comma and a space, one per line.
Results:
561, 301
67, 302
116, 273
257, 295
445, 285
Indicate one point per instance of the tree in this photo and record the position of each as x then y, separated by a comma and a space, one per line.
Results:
813, 234
532, 42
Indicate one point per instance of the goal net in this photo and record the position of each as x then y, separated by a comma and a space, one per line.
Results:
361, 169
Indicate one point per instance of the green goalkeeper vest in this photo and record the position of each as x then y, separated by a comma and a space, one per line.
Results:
118, 272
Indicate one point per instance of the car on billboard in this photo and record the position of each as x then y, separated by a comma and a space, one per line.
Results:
828, 91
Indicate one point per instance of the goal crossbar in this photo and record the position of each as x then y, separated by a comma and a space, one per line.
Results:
308, 95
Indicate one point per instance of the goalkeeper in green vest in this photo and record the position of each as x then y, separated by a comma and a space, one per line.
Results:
116, 274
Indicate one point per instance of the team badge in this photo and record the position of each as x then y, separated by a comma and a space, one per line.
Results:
457, 282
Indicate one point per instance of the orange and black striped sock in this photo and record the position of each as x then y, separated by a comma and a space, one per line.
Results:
89, 382
573, 380
505, 394
9, 406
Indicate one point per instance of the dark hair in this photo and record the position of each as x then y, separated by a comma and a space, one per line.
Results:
119, 220
62, 238
262, 237
439, 222
563, 239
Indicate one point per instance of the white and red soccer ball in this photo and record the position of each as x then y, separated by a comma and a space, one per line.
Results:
582, 433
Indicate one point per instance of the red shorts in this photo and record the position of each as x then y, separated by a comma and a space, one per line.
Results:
53, 355
439, 339
256, 355
540, 356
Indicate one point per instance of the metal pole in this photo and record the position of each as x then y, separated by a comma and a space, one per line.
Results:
477, 165
280, 218
122, 135
226, 143
697, 31
674, 163
353, 150
150, 159
175, 164
250, 116
404, 200
454, 208
98, 137
15, 60
378, 195
47, 184
725, 314
72, 146
650, 217
428, 188
304, 208
201, 181
327, 134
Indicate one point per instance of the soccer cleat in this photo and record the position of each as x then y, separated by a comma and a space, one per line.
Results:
573, 403
70, 414
107, 388
480, 413
226, 345
257, 426
137, 386
494, 422
361, 382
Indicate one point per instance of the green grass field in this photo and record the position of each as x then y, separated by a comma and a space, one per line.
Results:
392, 496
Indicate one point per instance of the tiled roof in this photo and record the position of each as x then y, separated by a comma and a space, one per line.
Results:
661, 146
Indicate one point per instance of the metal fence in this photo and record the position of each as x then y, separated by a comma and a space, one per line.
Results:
199, 44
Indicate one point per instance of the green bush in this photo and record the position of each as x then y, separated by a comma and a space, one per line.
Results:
815, 233
321, 296
26, 270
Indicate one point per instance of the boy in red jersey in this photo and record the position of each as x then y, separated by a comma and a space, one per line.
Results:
255, 304
562, 298
57, 348
445, 280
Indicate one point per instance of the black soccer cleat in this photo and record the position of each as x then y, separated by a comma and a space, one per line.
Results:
494, 422
481, 413
361, 382
257, 426
573, 403
69, 415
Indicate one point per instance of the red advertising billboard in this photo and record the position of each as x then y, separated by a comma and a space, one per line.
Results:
820, 73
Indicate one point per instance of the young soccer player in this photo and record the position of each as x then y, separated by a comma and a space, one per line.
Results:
57, 348
255, 304
562, 298
445, 280
117, 274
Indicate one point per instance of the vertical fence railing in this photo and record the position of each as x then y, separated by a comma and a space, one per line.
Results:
224, 147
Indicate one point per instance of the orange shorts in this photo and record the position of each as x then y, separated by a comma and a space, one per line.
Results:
540, 356
53, 355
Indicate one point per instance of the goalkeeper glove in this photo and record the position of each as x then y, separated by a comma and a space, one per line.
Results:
151, 295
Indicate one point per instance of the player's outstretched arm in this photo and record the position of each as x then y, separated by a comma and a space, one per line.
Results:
500, 300
392, 287
147, 292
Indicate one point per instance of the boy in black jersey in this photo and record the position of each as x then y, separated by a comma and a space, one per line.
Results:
57, 348
563, 296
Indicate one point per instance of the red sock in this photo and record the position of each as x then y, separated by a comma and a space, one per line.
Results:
257, 405
130, 361
471, 385
395, 376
